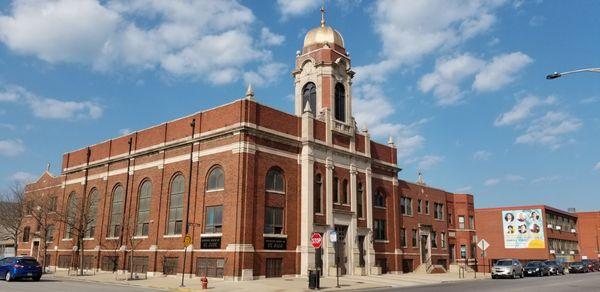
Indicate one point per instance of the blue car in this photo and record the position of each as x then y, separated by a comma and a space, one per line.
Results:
20, 267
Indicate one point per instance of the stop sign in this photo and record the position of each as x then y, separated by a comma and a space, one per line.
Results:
316, 239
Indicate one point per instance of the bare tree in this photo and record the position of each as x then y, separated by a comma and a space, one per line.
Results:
133, 242
79, 217
43, 213
12, 208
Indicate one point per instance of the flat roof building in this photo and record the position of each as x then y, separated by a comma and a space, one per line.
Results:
588, 228
535, 232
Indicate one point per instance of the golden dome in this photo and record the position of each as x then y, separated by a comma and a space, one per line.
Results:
323, 35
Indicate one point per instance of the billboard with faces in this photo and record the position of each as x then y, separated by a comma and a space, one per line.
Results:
523, 228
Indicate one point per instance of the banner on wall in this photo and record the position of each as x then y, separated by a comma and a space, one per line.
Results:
523, 228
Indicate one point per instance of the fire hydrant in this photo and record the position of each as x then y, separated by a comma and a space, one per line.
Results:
204, 282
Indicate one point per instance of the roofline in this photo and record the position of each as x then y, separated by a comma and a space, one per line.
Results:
545, 207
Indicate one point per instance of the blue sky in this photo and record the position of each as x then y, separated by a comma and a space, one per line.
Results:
458, 84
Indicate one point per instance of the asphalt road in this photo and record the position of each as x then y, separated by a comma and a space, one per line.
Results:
54, 285
569, 282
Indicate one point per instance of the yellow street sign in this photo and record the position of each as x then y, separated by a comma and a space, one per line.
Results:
187, 240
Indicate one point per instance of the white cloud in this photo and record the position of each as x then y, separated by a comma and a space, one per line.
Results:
546, 179
501, 71
511, 178
522, 110
65, 30
11, 148
125, 131
410, 30
371, 109
482, 155
537, 20
428, 161
587, 100
209, 40
265, 74
464, 189
270, 38
492, 182
448, 75
50, 108
22, 177
550, 129
597, 167
289, 8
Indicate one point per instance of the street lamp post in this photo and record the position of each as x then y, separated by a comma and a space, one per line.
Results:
557, 74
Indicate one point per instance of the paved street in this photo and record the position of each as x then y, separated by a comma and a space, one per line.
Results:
575, 282
55, 285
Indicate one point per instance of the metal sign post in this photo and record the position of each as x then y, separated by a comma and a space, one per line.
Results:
333, 239
186, 242
483, 245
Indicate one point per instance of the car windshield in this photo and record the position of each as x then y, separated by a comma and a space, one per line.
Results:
504, 263
28, 262
551, 263
576, 264
533, 264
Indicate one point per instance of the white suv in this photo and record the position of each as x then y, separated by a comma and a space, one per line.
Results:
507, 268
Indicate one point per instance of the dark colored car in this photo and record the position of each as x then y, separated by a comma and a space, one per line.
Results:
536, 268
578, 267
12, 268
555, 268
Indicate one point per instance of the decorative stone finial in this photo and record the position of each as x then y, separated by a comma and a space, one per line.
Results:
390, 141
250, 92
421, 180
307, 108
48, 167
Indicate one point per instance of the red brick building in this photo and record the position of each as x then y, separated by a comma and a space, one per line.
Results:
528, 233
249, 184
588, 228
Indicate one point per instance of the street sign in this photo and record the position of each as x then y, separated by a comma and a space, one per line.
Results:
333, 236
483, 245
316, 239
187, 240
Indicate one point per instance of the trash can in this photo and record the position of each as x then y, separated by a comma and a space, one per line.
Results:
313, 279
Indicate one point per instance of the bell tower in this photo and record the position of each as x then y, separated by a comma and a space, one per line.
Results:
323, 76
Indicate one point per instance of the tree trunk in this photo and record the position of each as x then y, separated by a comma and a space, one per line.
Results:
81, 253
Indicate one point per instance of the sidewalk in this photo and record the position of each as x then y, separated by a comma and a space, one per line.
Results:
171, 283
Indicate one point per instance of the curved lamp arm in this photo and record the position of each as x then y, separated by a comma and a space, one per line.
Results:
556, 74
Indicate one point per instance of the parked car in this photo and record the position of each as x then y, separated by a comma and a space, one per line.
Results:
536, 268
555, 267
578, 267
589, 264
507, 268
12, 268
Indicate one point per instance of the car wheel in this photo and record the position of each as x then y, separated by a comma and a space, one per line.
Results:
514, 275
37, 278
8, 277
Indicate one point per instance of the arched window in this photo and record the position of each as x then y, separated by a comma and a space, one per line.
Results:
175, 219
359, 200
116, 212
92, 213
340, 102
143, 213
216, 179
379, 199
275, 181
318, 200
71, 212
309, 94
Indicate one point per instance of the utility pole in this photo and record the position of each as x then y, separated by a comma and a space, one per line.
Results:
187, 212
